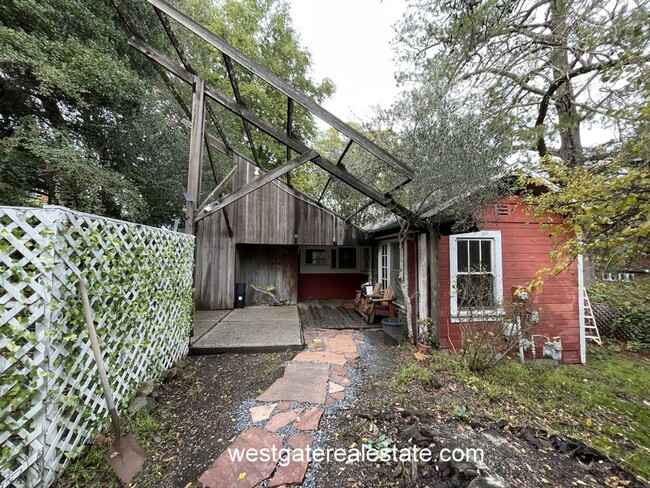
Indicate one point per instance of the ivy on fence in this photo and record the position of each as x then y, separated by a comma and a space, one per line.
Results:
140, 282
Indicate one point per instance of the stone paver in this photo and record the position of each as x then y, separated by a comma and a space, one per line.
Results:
225, 473
341, 380
284, 406
262, 412
310, 419
315, 377
281, 419
321, 357
294, 471
341, 343
304, 383
339, 370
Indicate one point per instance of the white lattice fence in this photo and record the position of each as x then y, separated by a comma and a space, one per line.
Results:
140, 282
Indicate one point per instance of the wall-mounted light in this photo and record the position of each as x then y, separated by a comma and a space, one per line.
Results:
257, 172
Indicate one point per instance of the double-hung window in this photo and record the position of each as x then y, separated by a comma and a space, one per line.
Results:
476, 275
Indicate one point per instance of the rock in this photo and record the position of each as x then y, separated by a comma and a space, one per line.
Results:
262, 412
156, 392
170, 374
181, 364
146, 388
293, 472
415, 435
279, 420
142, 404
435, 383
310, 419
335, 387
488, 481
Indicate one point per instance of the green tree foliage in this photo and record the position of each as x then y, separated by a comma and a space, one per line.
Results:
262, 30
81, 119
550, 65
86, 122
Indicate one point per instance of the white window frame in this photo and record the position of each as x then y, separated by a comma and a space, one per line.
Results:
494, 314
384, 271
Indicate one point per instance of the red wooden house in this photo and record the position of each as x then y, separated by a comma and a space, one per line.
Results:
504, 251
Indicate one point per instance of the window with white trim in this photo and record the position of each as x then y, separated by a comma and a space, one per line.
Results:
476, 274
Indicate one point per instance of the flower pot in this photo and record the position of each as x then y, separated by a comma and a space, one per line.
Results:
424, 348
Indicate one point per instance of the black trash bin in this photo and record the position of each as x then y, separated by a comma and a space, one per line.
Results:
240, 295
394, 330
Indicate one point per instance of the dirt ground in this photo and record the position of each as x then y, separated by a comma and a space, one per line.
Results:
204, 409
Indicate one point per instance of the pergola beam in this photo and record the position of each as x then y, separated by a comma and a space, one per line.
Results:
275, 133
235, 89
281, 86
338, 163
260, 182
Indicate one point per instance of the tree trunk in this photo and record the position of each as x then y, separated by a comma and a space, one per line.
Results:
403, 284
568, 119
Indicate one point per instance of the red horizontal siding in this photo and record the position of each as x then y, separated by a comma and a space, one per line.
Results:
525, 250
329, 286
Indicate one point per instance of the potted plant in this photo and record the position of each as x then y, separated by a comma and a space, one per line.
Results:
424, 335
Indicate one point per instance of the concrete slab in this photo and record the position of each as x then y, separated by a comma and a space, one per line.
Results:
256, 328
204, 320
302, 382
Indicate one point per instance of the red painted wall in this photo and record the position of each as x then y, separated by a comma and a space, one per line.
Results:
329, 286
525, 249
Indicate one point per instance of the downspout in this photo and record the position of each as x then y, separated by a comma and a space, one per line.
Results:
581, 309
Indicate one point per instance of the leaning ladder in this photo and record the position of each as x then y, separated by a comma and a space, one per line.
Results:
591, 329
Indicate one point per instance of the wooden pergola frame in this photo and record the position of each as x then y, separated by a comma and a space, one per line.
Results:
199, 137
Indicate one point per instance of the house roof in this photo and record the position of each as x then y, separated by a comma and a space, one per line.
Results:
516, 164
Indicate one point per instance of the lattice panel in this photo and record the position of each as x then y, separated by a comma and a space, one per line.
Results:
140, 283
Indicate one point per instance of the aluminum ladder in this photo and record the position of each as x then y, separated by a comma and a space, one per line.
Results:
591, 329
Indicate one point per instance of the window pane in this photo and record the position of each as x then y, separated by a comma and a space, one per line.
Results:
486, 255
315, 256
462, 256
333, 258
475, 292
474, 260
347, 257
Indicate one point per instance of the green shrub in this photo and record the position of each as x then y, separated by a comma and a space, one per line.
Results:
629, 303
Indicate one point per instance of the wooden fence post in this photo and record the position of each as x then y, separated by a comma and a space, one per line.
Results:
196, 154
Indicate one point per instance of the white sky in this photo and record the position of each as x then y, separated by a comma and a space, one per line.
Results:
349, 41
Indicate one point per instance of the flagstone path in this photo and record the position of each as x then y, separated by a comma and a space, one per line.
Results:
313, 380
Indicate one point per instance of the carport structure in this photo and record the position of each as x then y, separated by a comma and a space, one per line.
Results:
228, 223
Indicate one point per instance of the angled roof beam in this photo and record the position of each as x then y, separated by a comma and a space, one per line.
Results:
218, 189
171, 35
282, 86
277, 134
259, 182
235, 89
289, 132
338, 163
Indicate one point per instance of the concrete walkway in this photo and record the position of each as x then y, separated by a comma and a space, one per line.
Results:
254, 328
286, 417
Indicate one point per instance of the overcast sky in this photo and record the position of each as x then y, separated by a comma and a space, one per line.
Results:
349, 41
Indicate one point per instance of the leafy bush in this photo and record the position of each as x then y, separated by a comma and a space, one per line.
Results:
629, 303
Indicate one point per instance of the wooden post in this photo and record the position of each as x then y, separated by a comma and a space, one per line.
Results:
196, 153
434, 284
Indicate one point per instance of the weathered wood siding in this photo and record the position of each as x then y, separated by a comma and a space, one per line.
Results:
214, 274
268, 265
273, 215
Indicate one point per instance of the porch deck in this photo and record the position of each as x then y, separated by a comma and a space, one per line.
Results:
331, 314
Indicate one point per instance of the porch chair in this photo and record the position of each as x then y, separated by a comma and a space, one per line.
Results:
384, 306
361, 298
